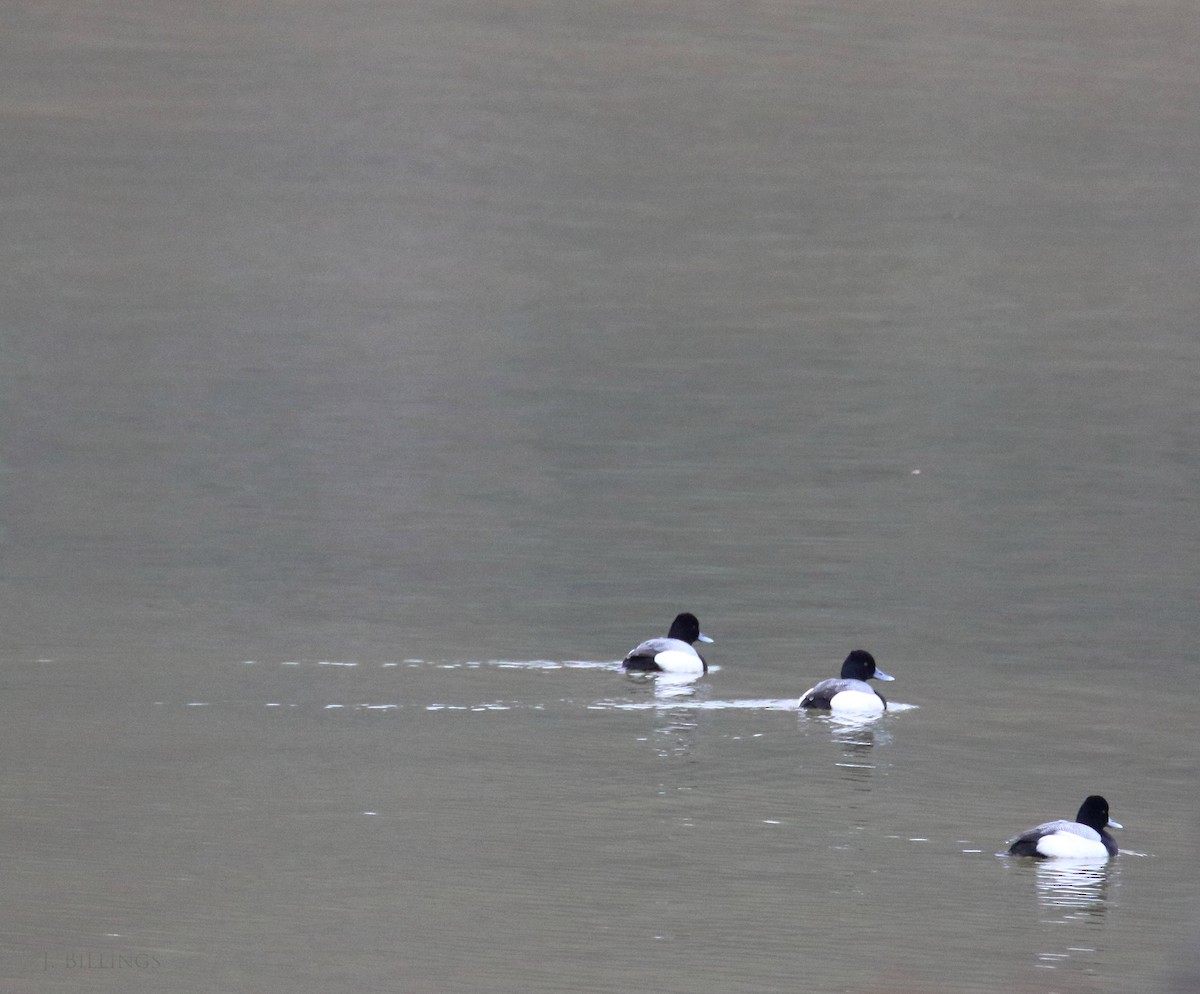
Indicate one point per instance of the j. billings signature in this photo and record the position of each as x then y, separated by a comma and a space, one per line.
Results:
100, 961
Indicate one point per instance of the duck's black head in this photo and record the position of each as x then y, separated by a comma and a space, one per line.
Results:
686, 628
860, 665
1093, 812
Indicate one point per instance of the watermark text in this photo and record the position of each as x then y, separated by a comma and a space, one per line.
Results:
85, 960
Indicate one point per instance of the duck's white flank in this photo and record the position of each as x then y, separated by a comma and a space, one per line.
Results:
679, 661
1078, 842
856, 700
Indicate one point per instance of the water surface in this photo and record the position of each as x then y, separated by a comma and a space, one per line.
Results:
374, 376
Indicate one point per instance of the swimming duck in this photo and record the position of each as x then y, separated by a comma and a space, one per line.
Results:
673, 654
1083, 838
850, 692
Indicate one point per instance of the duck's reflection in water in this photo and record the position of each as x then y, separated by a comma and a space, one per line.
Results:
1074, 893
675, 722
675, 731
664, 686
1071, 889
668, 686
858, 730
857, 736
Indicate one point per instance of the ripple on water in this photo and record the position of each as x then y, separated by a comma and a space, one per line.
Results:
649, 692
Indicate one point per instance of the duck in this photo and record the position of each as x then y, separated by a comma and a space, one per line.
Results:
1083, 838
850, 691
673, 654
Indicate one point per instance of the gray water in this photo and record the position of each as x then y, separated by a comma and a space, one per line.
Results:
375, 375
